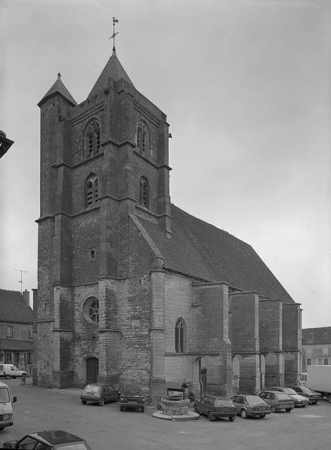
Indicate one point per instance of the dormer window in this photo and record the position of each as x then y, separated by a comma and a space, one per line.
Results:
144, 192
92, 139
142, 138
91, 191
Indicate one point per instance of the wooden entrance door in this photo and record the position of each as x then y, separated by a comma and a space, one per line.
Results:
92, 370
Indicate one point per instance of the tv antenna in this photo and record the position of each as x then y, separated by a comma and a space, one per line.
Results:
21, 281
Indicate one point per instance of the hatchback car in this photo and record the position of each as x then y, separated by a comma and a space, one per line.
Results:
132, 397
312, 396
299, 400
48, 440
214, 407
250, 406
99, 393
277, 400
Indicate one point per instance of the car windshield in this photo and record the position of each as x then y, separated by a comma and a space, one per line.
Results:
4, 395
254, 400
91, 388
306, 390
282, 396
221, 402
289, 391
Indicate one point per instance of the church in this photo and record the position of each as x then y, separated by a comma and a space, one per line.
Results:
131, 288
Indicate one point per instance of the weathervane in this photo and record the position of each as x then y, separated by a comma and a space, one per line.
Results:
114, 34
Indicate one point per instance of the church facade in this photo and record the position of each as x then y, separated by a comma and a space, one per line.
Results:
132, 289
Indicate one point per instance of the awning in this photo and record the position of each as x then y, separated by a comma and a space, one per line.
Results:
11, 345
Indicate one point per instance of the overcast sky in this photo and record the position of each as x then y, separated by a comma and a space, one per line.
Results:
246, 89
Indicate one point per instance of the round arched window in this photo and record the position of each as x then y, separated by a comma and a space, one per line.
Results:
91, 310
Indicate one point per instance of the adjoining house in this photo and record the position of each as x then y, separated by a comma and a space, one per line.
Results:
16, 329
316, 347
131, 288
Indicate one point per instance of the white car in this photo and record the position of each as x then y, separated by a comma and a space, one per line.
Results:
11, 371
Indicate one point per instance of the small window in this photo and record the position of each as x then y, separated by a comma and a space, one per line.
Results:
10, 331
142, 138
180, 336
92, 139
326, 362
144, 192
92, 190
92, 254
308, 362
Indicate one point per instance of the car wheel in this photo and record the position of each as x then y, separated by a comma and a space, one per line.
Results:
273, 409
14, 378
7, 377
210, 416
142, 409
243, 414
196, 410
288, 409
83, 402
101, 402
231, 418
262, 416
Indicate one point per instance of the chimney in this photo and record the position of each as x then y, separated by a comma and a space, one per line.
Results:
26, 297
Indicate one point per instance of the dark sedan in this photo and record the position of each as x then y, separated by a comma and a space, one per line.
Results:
215, 407
251, 406
312, 396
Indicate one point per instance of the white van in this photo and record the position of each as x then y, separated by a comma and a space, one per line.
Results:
10, 371
6, 416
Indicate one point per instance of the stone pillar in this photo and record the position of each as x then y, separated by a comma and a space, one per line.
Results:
108, 333
157, 335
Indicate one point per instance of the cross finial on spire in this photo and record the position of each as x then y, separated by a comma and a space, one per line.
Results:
114, 34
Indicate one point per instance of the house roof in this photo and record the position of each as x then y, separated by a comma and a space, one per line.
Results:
13, 308
316, 335
58, 88
203, 251
114, 70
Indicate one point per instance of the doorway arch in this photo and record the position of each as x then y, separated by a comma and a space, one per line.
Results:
91, 370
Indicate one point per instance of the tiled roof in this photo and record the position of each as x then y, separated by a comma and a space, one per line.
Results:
114, 70
59, 88
204, 252
13, 308
316, 335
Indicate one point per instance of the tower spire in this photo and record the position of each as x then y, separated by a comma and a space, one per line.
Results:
114, 34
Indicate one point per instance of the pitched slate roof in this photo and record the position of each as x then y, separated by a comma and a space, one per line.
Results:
13, 308
202, 251
316, 335
113, 69
58, 88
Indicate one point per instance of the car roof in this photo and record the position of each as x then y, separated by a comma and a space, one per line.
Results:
56, 437
218, 397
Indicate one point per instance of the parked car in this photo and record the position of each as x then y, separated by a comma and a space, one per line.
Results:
214, 407
312, 396
250, 406
299, 400
133, 397
277, 400
48, 440
11, 371
99, 393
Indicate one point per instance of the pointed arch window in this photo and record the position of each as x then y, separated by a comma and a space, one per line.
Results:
91, 191
92, 139
144, 192
180, 336
142, 138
